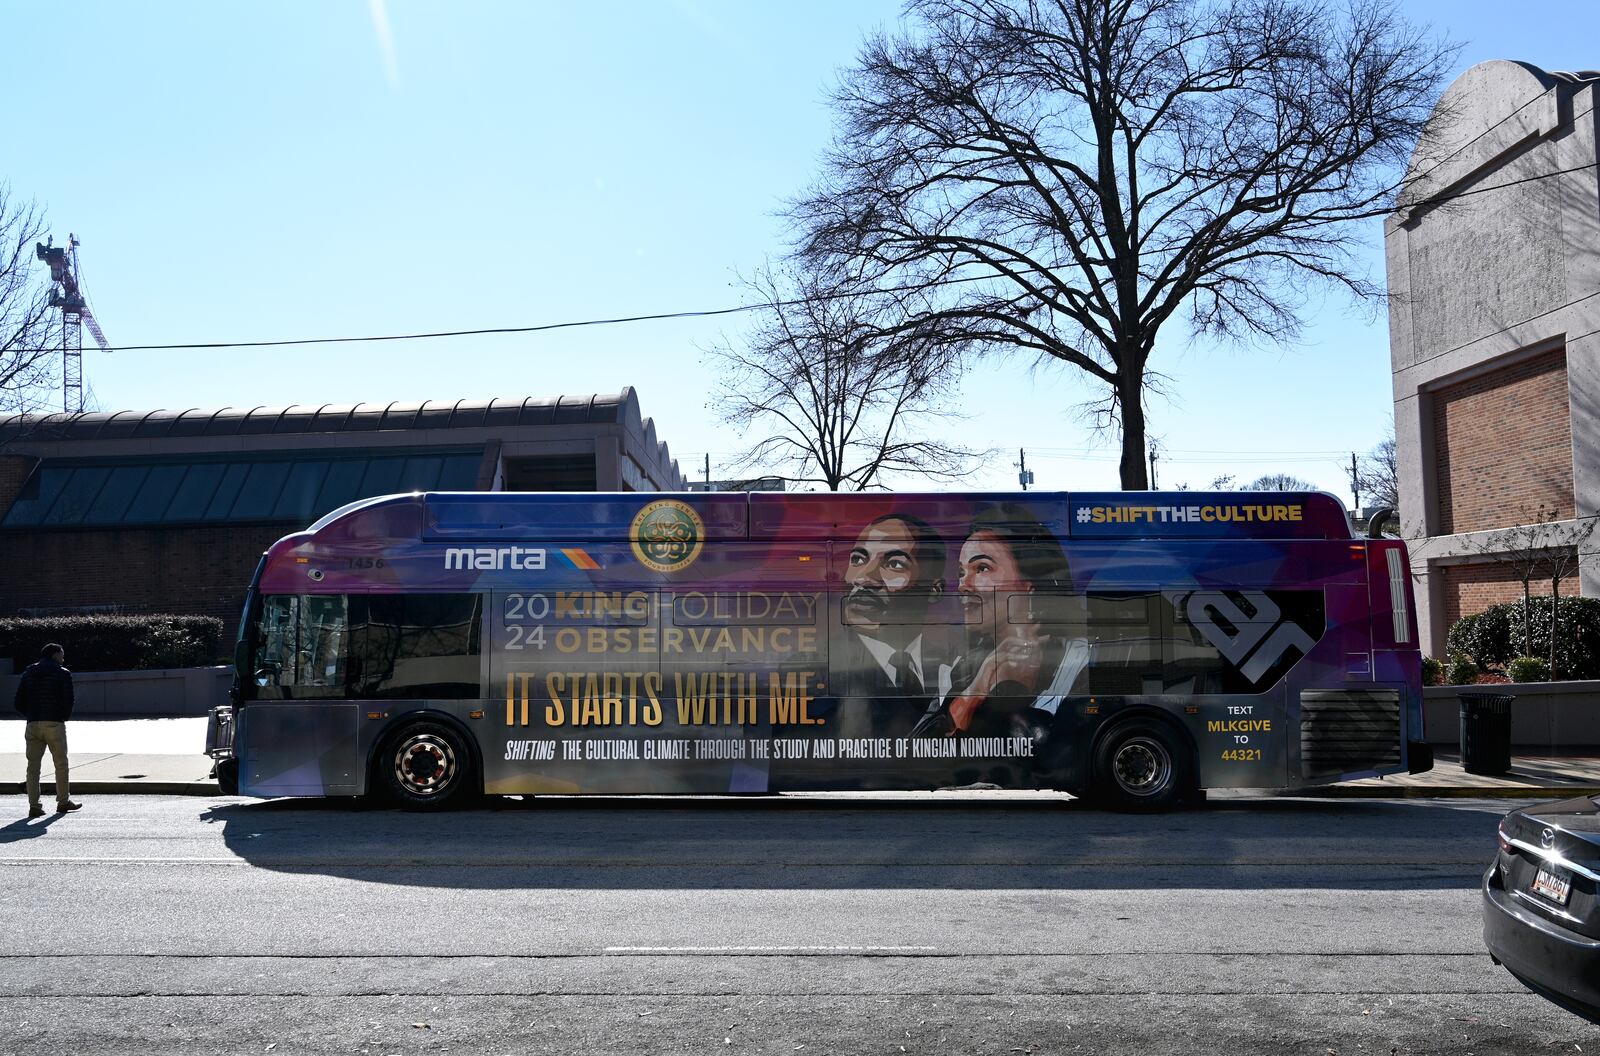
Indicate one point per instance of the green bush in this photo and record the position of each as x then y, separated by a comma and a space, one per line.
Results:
1463, 672
1528, 669
1432, 672
1494, 636
116, 643
1491, 637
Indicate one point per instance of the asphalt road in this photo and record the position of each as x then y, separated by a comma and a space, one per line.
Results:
181, 925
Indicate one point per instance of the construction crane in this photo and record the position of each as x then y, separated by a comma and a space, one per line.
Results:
66, 293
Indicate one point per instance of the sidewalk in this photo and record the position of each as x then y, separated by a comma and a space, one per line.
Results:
165, 757
111, 756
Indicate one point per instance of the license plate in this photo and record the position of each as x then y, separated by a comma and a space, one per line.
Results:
1553, 883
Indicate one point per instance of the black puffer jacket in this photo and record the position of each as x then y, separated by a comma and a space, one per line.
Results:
45, 692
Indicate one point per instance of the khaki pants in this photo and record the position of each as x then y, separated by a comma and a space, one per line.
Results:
40, 735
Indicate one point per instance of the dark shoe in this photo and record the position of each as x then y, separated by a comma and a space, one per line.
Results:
66, 806
36, 811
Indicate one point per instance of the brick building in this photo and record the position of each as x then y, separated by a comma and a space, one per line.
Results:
1494, 264
168, 511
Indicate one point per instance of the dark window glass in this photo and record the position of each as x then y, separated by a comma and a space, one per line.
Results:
1126, 631
342, 484
459, 473
227, 490
302, 647
156, 494
195, 493
299, 497
116, 494
421, 474
382, 477
1239, 641
78, 495
416, 646
36, 497
259, 496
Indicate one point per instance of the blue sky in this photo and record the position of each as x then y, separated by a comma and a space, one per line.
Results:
342, 167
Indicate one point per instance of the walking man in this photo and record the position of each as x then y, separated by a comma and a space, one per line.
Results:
44, 698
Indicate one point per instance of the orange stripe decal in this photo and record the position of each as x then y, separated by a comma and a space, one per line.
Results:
580, 559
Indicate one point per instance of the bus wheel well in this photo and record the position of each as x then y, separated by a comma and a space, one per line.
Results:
1143, 760
377, 782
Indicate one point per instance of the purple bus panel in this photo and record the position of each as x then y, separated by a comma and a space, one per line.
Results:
752, 643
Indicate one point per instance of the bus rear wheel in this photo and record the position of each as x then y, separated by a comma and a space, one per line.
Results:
1143, 766
427, 766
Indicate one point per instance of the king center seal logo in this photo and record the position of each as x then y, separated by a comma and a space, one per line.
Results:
667, 535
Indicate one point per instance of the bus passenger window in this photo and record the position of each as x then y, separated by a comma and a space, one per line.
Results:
415, 645
1125, 634
302, 644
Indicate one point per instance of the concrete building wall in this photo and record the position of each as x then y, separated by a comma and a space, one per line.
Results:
1494, 266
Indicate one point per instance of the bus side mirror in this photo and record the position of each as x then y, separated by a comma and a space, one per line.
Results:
241, 654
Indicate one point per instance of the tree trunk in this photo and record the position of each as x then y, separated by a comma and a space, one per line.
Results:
1555, 596
1135, 473
1527, 611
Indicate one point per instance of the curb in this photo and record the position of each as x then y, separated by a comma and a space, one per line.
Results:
1445, 792
122, 788
209, 788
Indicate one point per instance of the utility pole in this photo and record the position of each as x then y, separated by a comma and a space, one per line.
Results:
708, 470
1355, 480
1023, 476
1153, 457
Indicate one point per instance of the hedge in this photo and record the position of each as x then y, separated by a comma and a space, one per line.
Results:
115, 643
1494, 637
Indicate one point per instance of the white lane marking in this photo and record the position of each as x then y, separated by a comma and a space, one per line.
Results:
43, 860
770, 949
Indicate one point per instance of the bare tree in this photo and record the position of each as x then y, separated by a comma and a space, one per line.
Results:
1278, 482
1557, 563
1377, 475
27, 364
837, 396
1066, 177
1537, 549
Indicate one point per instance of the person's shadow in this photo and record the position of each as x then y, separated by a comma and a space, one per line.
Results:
28, 828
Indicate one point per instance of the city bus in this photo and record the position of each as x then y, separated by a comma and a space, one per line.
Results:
1132, 648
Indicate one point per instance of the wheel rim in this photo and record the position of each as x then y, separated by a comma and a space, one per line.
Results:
425, 764
1142, 766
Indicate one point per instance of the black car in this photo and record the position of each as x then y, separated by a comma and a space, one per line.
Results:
1541, 902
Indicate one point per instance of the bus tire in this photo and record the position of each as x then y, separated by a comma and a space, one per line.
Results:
427, 766
228, 776
1143, 765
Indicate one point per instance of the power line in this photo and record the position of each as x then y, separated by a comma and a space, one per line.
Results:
712, 312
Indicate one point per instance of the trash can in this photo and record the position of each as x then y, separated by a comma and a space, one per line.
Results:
1486, 732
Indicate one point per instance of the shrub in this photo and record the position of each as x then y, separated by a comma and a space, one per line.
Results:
116, 643
1528, 669
1491, 637
1462, 637
1463, 672
1494, 636
1432, 672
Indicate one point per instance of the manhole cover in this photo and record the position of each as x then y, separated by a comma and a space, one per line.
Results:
130, 777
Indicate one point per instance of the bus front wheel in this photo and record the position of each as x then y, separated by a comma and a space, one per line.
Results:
427, 766
1143, 765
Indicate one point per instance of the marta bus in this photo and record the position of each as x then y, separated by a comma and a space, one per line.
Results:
1132, 647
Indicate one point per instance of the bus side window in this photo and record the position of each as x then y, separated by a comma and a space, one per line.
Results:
1240, 641
415, 645
1126, 633
303, 643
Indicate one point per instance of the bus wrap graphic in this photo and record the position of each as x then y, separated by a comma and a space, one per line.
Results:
667, 536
